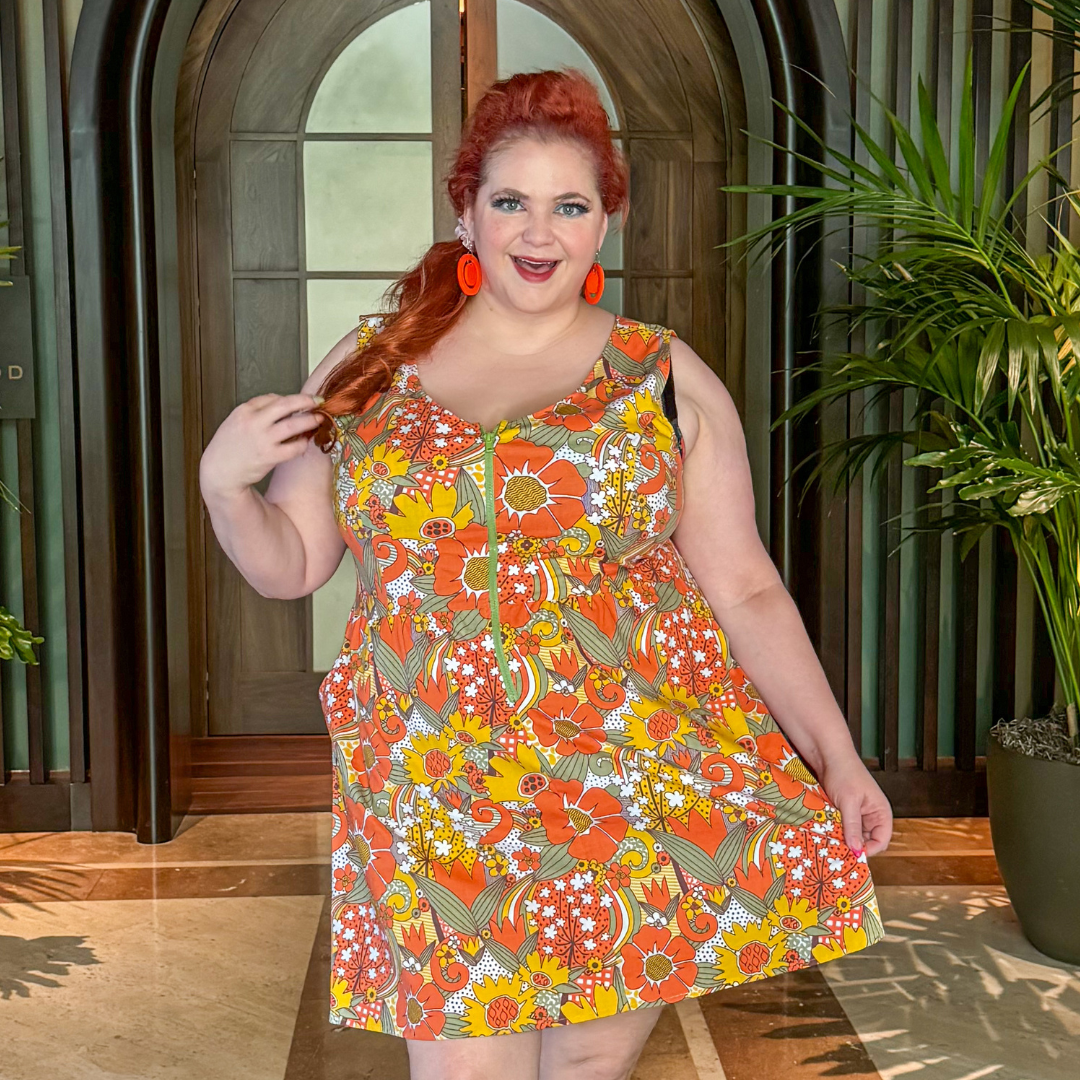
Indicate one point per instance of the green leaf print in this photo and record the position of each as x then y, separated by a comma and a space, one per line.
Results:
751, 901
572, 767
727, 854
483, 907
528, 946
687, 854
469, 493
554, 436
536, 837
389, 664
467, 625
775, 890
555, 862
504, 956
595, 644
450, 907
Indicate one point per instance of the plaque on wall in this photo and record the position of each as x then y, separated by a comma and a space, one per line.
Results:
16, 351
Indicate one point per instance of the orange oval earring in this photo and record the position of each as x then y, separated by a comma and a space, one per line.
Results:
468, 274
594, 282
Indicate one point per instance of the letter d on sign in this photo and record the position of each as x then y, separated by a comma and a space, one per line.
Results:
17, 367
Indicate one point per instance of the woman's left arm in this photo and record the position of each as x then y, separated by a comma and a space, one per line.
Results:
717, 536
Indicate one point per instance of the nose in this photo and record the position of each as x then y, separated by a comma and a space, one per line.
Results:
538, 232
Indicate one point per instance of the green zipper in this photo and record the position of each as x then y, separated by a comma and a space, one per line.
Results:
490, 438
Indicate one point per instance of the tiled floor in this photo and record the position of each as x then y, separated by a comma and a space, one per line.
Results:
206, 957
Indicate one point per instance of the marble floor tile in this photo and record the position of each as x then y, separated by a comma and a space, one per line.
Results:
165, 990
219, 837
956, 992
789, 1027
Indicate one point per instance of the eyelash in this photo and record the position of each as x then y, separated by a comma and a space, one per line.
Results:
499, 204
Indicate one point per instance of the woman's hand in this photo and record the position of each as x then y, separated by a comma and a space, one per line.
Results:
255, 437
865, 811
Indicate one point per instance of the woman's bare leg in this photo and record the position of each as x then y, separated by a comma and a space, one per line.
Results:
602, 1049
479, 1057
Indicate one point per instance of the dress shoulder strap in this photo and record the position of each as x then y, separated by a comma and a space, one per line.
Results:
369, 326
657, 357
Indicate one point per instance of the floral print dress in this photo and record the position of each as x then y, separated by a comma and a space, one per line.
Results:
556, 795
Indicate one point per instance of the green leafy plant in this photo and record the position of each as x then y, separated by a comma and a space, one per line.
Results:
985, 334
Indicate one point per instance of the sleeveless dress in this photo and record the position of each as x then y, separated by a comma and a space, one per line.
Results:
556, 795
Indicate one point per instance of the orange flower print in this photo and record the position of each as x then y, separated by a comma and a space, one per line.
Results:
590, 819
578, 413
535, 493
371, 844
461, 570
419, 1007
371, 758
659, 967
571, 726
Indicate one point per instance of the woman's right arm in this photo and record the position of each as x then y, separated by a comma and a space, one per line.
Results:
287, 544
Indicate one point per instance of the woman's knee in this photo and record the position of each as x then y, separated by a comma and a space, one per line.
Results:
483, 1057
606, 1048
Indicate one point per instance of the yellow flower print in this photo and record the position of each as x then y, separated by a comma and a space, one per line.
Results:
517, 779
750, 953
383, 463
468, 730
501, 1006
341, 993
735, 719
657, 724
643, 416
434, 760
793, 915
830, 948
607, 1004
419, 519
545, 972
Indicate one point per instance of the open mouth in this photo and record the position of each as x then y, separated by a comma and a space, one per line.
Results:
534, 269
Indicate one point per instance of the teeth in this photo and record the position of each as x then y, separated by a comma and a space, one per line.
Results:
531, 264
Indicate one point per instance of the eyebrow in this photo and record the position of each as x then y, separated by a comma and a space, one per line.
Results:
565, 195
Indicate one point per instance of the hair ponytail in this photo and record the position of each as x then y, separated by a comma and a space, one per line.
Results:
427, 300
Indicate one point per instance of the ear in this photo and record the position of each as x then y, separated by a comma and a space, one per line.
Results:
603, 230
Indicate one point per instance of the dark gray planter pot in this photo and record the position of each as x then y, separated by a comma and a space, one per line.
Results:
1035, 824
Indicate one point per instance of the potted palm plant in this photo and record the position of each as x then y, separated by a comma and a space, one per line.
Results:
15, 639
987, 339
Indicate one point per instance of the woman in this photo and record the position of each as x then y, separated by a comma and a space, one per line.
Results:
557, 795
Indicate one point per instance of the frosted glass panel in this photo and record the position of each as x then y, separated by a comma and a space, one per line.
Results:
530, 41
330, 607
334, 306
367, 204
611, 252
381, 81
612, 298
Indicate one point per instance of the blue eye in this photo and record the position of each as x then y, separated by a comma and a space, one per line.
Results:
500, 203
574, 206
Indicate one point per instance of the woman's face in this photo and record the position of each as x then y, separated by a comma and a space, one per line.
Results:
537, 224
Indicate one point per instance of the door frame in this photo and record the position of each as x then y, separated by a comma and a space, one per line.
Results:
125, 72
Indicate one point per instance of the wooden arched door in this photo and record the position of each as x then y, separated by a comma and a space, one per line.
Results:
317, 141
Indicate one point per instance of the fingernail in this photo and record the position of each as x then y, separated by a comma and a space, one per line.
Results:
319, 399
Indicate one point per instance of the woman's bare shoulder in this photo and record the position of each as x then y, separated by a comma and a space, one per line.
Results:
705, 404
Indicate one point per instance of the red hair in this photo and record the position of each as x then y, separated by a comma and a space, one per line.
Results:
427, 300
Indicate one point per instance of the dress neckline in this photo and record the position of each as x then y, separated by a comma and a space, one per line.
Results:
412, 368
